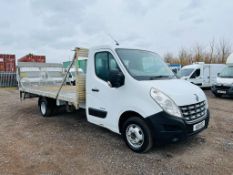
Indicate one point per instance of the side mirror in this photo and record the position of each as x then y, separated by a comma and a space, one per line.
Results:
116, 79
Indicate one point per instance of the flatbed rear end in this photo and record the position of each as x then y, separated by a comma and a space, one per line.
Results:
48, 82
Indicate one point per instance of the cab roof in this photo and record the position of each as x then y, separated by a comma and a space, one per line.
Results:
191, 66
113, 47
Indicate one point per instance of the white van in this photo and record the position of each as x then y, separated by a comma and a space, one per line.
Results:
201, 74
224, 83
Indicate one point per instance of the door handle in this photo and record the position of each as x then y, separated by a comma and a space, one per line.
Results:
95, 90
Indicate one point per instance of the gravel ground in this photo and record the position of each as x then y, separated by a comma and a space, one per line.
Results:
68, 144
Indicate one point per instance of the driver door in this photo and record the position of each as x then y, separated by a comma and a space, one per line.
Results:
102, 98
196, 77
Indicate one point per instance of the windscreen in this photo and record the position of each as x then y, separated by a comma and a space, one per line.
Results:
227, 72
185, 72
144, 65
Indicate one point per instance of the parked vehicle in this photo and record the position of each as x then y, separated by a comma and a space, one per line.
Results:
81, 66
175, 67
71, 78
128, 91
224, 83
201, 74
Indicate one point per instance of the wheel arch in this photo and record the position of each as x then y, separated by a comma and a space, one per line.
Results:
124, 116
49, 100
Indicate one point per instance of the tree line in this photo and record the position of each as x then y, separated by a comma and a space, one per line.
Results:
215, 52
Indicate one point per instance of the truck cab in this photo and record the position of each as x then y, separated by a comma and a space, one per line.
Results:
192, 73
224, 83
134, 93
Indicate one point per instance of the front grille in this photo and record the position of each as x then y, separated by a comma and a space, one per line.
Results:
192, 113
222, 87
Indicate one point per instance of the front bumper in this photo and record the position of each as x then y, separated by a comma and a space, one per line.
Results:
223, 90
168, 129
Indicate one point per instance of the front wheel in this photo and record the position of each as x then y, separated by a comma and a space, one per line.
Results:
137, 135
217, 95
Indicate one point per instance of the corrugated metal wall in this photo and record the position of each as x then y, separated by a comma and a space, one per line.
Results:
8, 79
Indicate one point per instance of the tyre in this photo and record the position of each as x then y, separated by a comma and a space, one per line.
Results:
217, 95
137, 135
46, 106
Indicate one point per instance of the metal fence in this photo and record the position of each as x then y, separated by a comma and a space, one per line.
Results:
8, 79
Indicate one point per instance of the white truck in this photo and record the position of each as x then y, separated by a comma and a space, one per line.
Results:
201, 74
128, 91
224, 82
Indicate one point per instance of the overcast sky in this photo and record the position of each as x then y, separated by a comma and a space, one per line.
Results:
54, 27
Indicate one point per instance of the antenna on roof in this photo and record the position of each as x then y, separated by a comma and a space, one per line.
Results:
116, 42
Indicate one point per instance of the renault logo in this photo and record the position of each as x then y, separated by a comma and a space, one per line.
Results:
196, 96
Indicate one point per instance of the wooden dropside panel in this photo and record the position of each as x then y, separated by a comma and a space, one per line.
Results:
81, 88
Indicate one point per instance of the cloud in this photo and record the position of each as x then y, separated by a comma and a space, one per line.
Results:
199, 20
55, 27
193, 4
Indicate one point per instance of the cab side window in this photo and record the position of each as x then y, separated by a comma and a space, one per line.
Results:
196, 73
112, 64
104, 63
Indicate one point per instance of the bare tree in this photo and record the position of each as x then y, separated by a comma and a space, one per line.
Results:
224, 50
217, 53
184, 57
198, 53
212, 45
168, 58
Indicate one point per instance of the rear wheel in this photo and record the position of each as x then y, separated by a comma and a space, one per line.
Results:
46, 106
137, 135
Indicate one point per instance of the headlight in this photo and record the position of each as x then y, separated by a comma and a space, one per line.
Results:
166, 103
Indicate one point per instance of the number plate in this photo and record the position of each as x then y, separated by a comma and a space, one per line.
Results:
221, 92
199, 125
